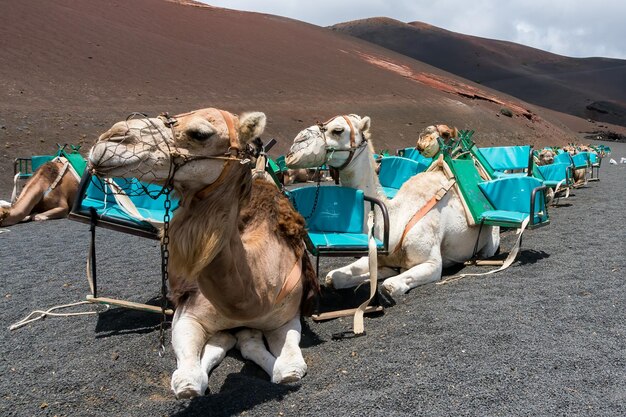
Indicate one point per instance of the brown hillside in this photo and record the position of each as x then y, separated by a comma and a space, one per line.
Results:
586, 87
69, 69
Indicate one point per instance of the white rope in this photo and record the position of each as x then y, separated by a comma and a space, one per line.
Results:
14, 193
42, 314
507, 262
127, 205
358, 326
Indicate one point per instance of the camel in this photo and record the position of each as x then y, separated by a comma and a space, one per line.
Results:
545, 157
294, 176
440, 239
49, 194
237, 257
580, 175
427, 142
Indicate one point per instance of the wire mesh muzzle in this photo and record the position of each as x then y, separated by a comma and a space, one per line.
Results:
141, 156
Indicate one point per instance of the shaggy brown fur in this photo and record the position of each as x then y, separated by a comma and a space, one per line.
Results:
266, 202
260, 202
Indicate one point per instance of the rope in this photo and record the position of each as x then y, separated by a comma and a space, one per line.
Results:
358, 325
507, 262
42, 314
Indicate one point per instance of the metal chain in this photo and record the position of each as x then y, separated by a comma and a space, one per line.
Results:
165, 255
317, 194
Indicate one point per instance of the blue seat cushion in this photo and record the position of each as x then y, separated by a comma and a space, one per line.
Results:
341, 240
580, 160
500, 174
415, 155
338, 209
107, 208
512, 193
396, 170
390, 192
554, 172
505, 216
503, 158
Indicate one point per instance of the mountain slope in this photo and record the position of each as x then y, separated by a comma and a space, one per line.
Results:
585, 87
68, 70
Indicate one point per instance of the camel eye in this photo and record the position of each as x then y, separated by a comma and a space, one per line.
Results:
338, 131
200, 135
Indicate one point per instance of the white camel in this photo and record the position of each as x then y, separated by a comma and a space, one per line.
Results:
237, 258
440, 239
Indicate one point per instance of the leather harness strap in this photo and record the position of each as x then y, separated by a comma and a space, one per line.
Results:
234, 145
232, 134
423, 211
290, 282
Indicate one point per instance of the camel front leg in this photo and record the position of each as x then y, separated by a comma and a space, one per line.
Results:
196, 354
31, 195
252, 347
55, 213
284, 343
423, 273
355, 274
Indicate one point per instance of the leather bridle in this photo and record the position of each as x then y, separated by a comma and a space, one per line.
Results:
353, 146
234, 153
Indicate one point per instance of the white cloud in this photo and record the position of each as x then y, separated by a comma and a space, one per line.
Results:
567, 27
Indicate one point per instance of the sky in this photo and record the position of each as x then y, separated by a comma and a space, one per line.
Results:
573, 28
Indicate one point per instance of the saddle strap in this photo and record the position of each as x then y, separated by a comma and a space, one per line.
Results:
290, 282
424, 211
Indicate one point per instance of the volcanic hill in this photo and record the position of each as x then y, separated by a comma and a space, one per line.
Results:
592, 88
70, 69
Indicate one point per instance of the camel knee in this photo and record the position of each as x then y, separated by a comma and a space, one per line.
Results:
10, 216
250, 342
421, 274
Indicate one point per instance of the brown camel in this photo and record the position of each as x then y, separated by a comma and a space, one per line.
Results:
237, 258
49, 194
427, 141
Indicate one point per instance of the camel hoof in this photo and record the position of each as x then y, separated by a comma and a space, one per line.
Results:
286, 372
391, 290
290, 376
328, 281
189, 384
39, 217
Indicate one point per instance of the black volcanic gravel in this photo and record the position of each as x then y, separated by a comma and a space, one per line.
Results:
547, 337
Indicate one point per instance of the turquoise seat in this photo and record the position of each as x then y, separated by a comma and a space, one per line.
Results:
581, 160
563, 157
395, 171
335, 220
514, 199
38, 160
555, 174
414, 154
95, 195
280, 161
507, 158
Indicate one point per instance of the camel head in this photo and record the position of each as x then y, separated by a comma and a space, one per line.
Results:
571, 149
191, 150
427, 142
546, 157
334, 143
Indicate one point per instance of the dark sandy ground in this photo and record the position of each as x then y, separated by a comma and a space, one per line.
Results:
546, 337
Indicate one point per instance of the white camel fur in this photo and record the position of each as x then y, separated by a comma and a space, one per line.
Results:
440, 239
234, 242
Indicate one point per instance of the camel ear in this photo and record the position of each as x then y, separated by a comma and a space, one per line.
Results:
364, 124
251, 125
118, 129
